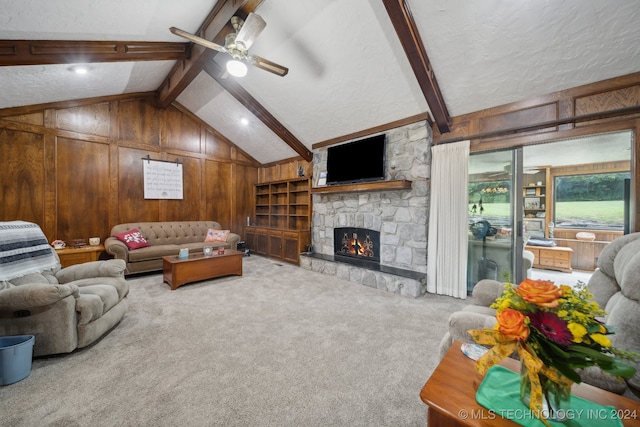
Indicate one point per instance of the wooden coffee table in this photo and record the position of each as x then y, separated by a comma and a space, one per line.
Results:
177, 272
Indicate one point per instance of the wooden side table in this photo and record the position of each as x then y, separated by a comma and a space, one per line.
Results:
72, 256
451, 390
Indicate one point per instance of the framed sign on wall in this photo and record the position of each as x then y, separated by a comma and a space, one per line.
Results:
162, 179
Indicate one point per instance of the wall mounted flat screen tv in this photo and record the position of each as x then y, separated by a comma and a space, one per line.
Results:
356, 161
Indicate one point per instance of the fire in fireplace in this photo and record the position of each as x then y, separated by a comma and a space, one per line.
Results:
356, 245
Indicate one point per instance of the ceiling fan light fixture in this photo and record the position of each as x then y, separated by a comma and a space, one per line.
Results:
236, 68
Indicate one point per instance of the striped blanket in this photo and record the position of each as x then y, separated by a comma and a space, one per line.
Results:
23, 250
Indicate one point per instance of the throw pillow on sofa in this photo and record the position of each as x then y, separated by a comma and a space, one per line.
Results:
216, 235
133, 239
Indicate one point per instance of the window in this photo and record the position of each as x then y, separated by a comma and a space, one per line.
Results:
594, 201
490, 200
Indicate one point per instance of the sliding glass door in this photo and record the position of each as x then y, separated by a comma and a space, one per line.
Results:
546, 194
494, 228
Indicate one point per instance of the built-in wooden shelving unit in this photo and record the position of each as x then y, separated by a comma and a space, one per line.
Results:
282, 221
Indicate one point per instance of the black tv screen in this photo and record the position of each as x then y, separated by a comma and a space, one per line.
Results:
356, 161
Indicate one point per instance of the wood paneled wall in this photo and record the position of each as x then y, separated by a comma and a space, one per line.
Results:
75, 167
608, 98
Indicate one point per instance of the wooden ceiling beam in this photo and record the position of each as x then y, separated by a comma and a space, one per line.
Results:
407, 32
39, 52
241, 95
214, 27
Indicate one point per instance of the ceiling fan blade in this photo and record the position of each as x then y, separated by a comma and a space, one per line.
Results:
250, 30
267, 65
197, 40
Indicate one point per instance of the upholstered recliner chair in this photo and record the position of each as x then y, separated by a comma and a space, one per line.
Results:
615, 285
528, 259
64, 308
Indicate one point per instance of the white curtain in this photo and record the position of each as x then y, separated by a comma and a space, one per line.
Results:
447, 246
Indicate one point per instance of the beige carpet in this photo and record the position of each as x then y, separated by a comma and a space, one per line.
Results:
280, 346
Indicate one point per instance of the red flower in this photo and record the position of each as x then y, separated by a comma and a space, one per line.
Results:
551, 326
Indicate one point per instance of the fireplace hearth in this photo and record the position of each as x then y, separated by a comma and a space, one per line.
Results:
358, 246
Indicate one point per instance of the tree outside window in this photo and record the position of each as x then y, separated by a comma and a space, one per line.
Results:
593, 201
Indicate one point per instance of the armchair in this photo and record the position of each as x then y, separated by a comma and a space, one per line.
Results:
474, 316
616, 287
64, 308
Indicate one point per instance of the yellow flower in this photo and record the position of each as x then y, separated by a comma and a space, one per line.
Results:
601, 339
505, 303
578, 331
566, 290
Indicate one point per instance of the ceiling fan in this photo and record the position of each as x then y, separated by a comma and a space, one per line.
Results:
237, 45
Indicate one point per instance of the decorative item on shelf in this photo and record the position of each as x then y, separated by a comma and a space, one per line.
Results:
531, 203
393, 170
207, 250
94, 241
586, 236
79, 243
322, 179
220, 251
183, 254
554, 331
58, 244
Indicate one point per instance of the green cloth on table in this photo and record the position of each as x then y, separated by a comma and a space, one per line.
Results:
500, 393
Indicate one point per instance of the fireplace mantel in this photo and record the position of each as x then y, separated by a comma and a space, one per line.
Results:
400, 184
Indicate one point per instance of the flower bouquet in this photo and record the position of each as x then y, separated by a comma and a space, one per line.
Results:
555, 331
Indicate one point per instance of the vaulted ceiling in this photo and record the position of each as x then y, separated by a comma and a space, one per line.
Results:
353, 65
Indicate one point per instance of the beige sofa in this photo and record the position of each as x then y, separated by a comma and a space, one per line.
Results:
65, 308
165, 238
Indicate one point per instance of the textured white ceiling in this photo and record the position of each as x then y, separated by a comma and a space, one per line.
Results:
49, 83
348, 71
493, 52
210, 102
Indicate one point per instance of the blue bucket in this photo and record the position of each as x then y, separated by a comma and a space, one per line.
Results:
16, 353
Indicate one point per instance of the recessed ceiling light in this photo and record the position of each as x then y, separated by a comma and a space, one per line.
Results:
79, 69
244, 121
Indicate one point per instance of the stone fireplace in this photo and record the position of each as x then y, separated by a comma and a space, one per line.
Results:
396, 219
